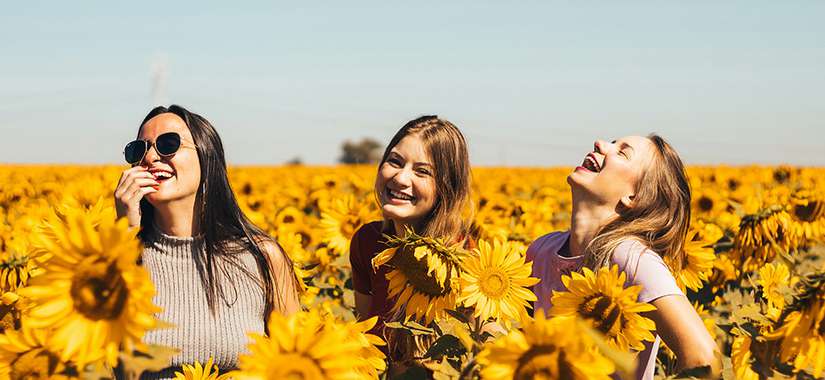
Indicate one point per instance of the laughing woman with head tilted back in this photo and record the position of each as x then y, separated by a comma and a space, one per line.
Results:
217, 275
631, 209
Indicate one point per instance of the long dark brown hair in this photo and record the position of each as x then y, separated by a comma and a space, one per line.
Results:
451, 215
226, 230
659, 216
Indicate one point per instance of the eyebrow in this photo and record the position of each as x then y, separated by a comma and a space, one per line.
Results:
623, 145
419, 163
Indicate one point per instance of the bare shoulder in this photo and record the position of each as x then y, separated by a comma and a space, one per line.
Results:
273, 250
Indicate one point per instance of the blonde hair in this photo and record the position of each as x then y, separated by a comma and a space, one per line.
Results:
659, 216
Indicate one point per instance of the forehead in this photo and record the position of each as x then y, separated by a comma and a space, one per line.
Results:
411, 147
160, 124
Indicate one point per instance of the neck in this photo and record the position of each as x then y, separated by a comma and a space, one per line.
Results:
400, 228
585, 222
177, 218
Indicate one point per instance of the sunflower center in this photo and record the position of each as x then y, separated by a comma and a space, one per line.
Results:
494, 283
781, 175
603, 311
543, 362
99, 291
808, 212
705, 204
416, 272
296, 367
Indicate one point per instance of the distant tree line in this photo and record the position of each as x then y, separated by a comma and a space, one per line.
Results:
366, 151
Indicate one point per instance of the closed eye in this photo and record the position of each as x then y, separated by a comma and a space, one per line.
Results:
395, 162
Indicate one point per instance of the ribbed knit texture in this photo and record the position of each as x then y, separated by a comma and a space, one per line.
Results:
198, 333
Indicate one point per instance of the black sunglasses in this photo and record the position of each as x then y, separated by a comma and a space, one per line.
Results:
166, 145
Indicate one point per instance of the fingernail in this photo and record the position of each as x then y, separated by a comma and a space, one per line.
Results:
156, 187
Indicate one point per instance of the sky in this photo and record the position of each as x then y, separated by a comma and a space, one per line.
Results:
529, 83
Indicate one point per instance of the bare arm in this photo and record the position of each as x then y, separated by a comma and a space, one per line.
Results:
682, 330
285, 282
362, 305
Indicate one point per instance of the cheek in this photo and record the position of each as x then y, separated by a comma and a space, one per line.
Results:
384, 175
623, 177
425, 191
188, 171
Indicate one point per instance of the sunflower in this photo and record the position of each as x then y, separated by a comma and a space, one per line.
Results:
311, 345
15, 266
771, 278
495, 283
24, 355
708, 203
699, 255
200, 372
340, 221
556, 348
92, 294
808, 214
602, 300
724, 271
424, 279
802, 326
761, 235
742, 358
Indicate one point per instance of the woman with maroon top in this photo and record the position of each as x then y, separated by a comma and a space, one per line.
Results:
423, 183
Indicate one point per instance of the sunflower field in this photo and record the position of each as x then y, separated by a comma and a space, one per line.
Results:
76, 303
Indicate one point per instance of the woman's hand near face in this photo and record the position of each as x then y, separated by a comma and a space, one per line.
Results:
133, 185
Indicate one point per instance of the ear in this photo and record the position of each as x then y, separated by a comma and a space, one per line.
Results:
627, 201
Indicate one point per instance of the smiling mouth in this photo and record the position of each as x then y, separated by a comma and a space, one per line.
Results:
393, 195
591, 164
162, 176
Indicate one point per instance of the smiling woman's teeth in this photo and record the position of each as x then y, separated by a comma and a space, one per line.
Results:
162, 175
590, 164
398, 195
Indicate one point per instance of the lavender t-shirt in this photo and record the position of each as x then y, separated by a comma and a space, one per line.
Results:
642, 266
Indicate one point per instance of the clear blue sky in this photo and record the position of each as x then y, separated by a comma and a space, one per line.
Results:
529, 82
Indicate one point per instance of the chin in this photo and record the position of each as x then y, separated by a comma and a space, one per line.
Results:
400, 216
393, 213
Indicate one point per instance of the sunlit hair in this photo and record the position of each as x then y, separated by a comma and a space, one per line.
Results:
445, 145
452, 212
659, 215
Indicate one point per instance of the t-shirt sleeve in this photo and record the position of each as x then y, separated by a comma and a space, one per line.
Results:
647, 269
361, 267
535, 247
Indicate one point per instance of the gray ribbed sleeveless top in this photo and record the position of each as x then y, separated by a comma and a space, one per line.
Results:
199, 334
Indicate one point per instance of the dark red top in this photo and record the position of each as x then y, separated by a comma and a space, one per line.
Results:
366, 243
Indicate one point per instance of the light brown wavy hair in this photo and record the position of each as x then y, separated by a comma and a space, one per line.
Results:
451, 216
659, 215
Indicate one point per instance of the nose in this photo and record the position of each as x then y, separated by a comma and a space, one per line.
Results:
151, 156
600, 146
403, 177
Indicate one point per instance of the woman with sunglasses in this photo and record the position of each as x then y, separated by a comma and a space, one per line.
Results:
217, 276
